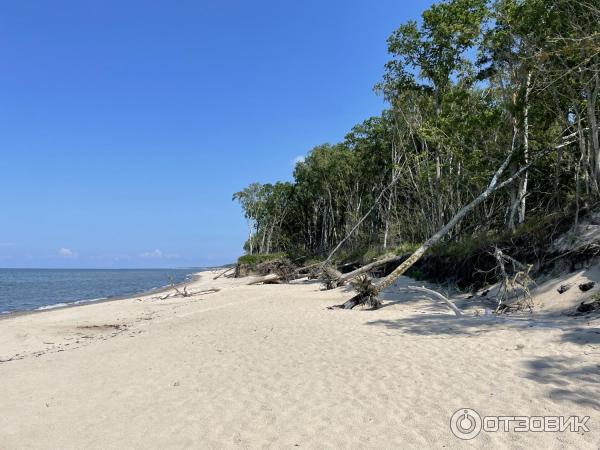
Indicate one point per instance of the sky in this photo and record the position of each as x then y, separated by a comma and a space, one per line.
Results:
126, 126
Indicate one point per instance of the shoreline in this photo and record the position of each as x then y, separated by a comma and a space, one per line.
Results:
193, 277
246, 366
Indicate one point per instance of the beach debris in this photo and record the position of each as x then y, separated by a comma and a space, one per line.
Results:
314, 273
106, 326
229, 269
189, 293
366, 294
513, 293
586, 308
485, 293
331, 277
183, 293
564, 288
584, 287
438, 296
272, 278
281, 267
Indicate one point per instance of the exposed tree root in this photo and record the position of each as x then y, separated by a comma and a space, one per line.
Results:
330, 277
366, 295
513, 293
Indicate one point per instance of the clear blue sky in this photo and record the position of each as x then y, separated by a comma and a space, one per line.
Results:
125, 126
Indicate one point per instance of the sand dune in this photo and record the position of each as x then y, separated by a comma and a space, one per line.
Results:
271, 367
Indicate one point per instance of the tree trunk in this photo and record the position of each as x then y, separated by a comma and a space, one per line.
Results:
593, 125
341, 279
514, 195
523, 190
362, 219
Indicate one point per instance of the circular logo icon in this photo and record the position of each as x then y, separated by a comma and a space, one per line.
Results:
465, 424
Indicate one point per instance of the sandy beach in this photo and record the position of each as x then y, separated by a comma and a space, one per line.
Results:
269, 366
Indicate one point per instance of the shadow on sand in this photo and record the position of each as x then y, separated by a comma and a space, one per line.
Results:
574, 380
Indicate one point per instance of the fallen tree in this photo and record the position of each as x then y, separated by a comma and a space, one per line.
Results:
368, 292
271, 278
224, 272
333, 278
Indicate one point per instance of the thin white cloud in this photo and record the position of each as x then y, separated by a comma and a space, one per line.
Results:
155, 254
66, 253
299, 159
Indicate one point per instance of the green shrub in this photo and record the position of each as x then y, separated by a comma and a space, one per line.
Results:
252, 260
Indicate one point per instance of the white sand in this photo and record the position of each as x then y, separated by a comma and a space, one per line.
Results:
270, 367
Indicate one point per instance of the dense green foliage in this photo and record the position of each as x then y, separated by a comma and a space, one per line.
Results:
255, 259
467, 83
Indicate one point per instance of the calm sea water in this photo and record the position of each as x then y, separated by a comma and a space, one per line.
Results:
29, 289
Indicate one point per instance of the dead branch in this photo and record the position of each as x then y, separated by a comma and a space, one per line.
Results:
439, 296
514, 286
188, 294
223, 273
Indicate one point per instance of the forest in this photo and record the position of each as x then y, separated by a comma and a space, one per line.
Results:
471, 87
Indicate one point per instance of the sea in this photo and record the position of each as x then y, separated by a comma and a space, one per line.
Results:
39, 289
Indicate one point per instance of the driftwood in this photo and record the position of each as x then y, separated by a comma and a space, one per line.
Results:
223, 273
272, 278
334, 279
282, 267
183, 293
355, 301
330, 277
439, 296
186, 293
511, 283
366, 295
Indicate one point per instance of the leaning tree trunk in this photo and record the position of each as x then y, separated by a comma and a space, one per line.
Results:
368, 291
339, 279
